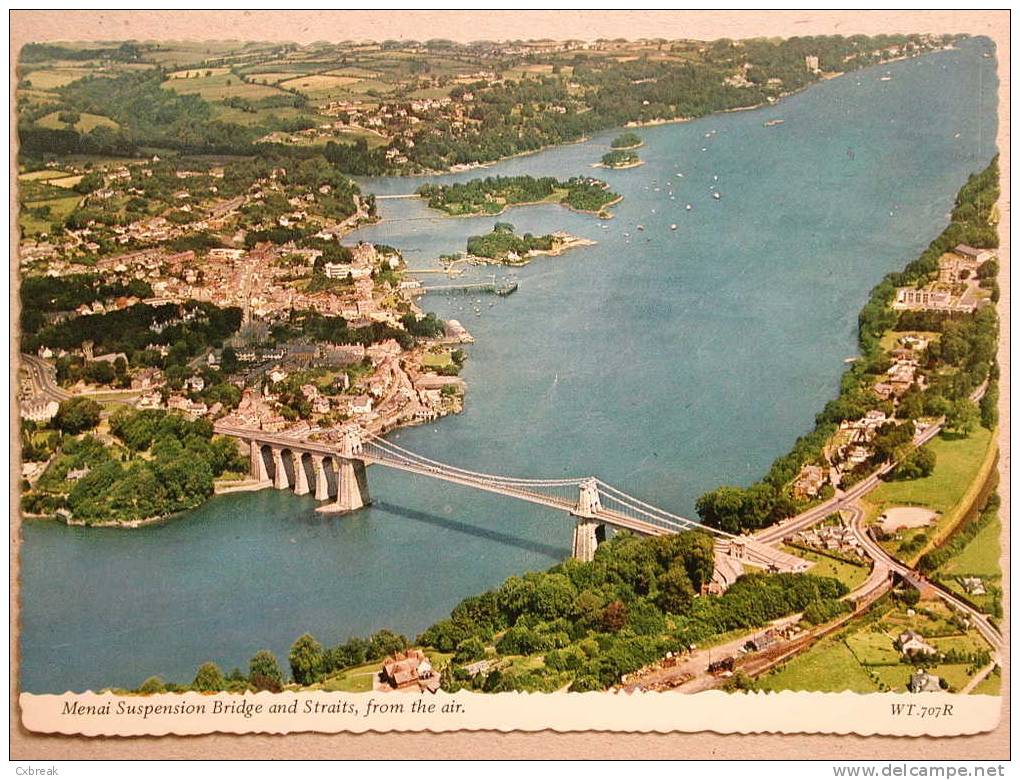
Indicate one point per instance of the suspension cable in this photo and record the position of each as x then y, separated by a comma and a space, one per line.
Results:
396, 450
648, 509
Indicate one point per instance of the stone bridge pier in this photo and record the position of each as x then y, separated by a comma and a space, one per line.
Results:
351, 479
337, 479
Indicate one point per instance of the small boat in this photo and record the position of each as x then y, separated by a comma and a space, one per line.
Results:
640, 227
673, 226
716, 195
715, 178
688, 207
704, 148
886, 77
772, 122
626, 235
680, 175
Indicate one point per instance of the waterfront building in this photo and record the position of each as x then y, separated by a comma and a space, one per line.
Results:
409, 668
976, 256
912, 298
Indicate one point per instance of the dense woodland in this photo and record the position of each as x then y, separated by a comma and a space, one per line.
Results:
502, 242
162, 463
582, 625
955, 365
493, 194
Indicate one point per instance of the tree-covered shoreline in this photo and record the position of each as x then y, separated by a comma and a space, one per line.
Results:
957, 364
495, 194
582, 93
577, 625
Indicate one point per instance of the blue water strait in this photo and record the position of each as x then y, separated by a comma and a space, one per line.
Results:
666, 362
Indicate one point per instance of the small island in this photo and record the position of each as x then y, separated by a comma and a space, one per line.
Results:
627, 141
503, 246
618, 159
495, 194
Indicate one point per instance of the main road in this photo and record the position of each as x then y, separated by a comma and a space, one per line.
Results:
776, 533
42, 377
881, 557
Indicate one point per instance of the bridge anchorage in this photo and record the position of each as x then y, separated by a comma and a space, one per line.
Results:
335, 472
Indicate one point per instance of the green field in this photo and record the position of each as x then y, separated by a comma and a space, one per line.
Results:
873, 648
829, 667
223, 113
990, 686
948, 491
981, 556
956, 464
85, 123
220, 86
825, 566
59, 209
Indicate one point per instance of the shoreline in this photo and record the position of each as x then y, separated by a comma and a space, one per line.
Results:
568, 242
637, 123
624, 167
509, 206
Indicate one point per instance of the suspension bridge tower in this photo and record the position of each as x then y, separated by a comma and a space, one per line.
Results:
351, 479
587, 529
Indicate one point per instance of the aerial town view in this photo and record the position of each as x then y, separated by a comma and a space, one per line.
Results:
509, 366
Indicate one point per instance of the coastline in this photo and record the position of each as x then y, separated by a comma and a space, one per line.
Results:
625, 166
637, 123
509, 206
568, 242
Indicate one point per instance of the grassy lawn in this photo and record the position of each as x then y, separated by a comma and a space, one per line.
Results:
990, 686
872, 648
829, 667
850, 574
959, 464
894, 677
890, 340
357, 679
970, 642
981, 557
954, 674
437, 360
59, 209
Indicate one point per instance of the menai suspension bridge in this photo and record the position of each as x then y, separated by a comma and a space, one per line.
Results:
335, 471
